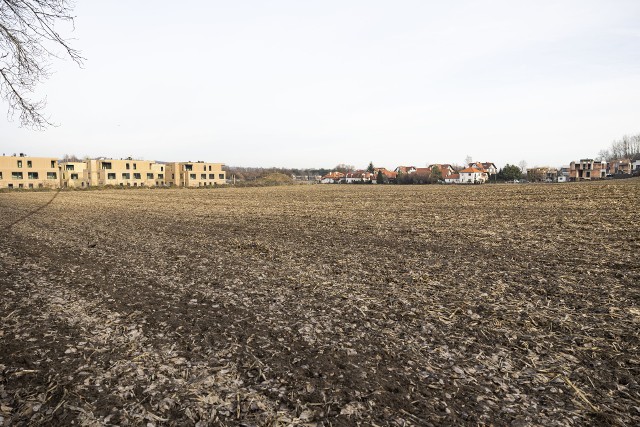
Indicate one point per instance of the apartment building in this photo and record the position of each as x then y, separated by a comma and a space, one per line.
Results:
587, 169
28, 172
127, 172
73, 174
194, 174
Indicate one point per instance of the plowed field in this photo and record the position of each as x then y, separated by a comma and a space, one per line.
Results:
322, 305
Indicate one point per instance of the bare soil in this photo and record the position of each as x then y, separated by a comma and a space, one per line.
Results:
322, 305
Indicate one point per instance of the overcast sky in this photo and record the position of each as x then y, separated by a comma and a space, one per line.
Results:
314, 84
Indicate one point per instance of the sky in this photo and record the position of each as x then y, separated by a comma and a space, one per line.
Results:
287, 83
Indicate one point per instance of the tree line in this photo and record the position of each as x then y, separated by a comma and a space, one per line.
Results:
627, 147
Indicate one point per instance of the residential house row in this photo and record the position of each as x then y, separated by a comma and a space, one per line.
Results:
482, 172
474, 173
48, 172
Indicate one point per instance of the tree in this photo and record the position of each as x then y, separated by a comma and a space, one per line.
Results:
625, 148
436, 174
28, 40
344, 168
467, 161
523, 166
70, 158
509, 173
380, 178
371, 168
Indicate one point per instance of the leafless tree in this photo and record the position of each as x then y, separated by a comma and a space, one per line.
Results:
467, 161
70, 158
344, 168
28, 41
523, 166
627, 147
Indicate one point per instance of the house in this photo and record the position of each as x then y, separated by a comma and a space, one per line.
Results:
387, 174
473, 175
587, 169
422, 175
332, 178
445, 168
405, 169
563, 173
29, 172
542, 174
488, 167
620, 167
359, 176
635, 165
453, 178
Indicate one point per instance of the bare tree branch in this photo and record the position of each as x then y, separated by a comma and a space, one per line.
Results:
28, 40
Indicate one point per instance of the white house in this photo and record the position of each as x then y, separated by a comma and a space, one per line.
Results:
332, 178
472, 176
359, 176
453, 178
488, 167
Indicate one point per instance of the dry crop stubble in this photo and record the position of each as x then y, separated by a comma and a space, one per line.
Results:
322, 305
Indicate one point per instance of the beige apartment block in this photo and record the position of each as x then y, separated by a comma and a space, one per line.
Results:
195, 174
74, 174
128, 172
29, 172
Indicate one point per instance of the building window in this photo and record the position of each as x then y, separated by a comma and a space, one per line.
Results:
69, 167
74, 176
161, 168
111, 176
173, 176
52, 175
53, 164
192, 176
160, 176
106, 165
126, 166
212, 176
135, 166
0, 174
149, 176
137, 176
203, 176
16, 175
221, 176
209, 168
19, 163
10, 185
126, 175
30, 185
29, 164
188, 168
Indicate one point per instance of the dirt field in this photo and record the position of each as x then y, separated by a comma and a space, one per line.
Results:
322, 305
